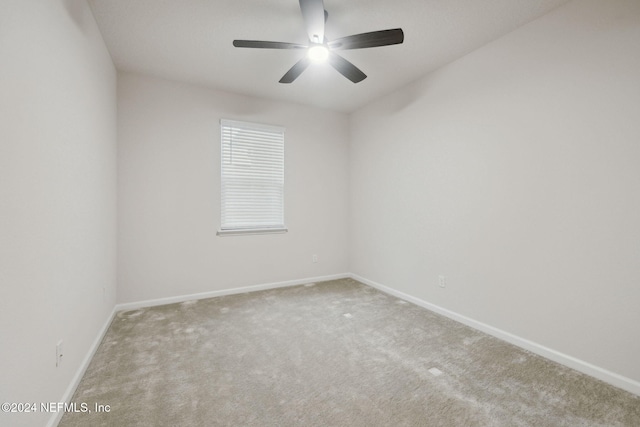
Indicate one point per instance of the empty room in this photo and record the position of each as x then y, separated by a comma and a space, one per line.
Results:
320, 213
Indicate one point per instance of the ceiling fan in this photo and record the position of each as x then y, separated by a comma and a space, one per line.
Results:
320, 49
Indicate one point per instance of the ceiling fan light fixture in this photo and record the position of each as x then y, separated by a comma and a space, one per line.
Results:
318, 53
320, 50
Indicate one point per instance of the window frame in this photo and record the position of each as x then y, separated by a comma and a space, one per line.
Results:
227, 125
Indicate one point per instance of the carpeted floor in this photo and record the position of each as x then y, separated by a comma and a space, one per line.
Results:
337, 353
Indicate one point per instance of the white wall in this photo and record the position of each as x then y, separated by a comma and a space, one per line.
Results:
57, 196
515, 172
169, 192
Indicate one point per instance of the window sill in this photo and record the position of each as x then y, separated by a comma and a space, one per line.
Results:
251, 231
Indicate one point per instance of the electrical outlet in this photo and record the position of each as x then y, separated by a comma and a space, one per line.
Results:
314, 258
59, 353
442, 281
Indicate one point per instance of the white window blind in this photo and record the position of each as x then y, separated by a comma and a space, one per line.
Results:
252, 177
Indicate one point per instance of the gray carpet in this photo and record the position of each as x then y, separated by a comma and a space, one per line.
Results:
337, 353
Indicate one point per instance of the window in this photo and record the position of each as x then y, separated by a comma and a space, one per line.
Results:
252, 178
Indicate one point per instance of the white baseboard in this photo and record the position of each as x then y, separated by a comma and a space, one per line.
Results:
71, 389
612, 378
212, 294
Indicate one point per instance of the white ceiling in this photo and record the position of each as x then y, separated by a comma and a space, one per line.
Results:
190, 40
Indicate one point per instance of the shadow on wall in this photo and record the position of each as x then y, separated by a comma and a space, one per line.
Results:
80, 14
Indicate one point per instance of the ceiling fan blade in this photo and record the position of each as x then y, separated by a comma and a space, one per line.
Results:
346, 68
372, 39
267, 45
314, 17
295, 71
